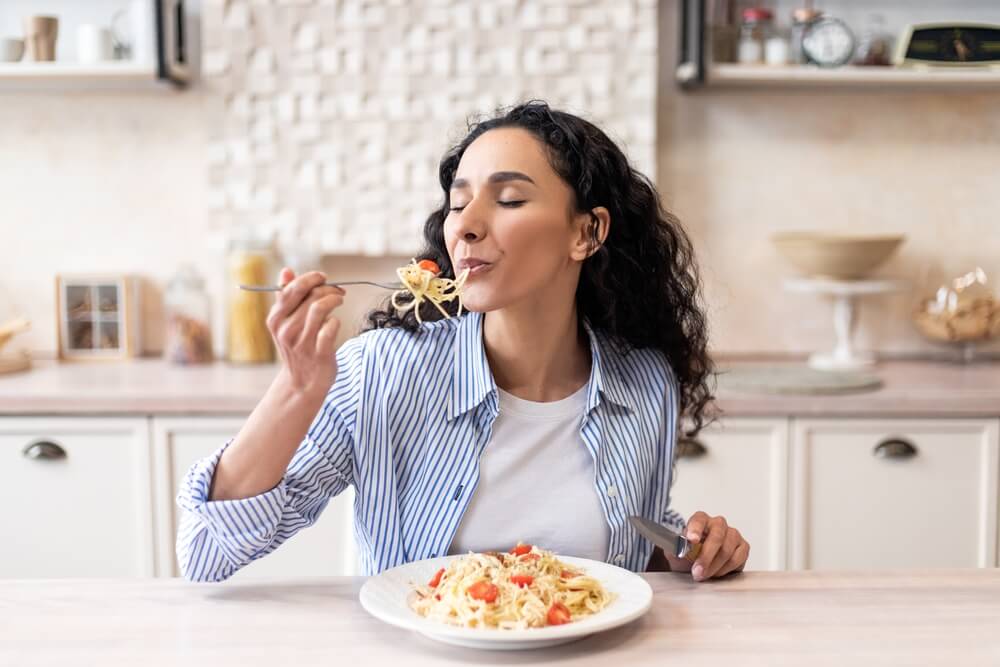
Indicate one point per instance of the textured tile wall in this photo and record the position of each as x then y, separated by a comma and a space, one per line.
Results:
331, 115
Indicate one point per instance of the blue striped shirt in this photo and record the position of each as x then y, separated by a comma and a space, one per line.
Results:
405, 423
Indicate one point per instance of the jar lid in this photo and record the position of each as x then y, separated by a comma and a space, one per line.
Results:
187, 277
757, 14
805, 14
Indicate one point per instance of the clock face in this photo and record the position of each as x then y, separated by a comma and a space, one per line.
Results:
828, 42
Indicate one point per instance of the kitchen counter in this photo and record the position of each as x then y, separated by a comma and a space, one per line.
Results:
757, 618
150, 386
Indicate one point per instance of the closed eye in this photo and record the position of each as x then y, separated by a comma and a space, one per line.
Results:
511, 204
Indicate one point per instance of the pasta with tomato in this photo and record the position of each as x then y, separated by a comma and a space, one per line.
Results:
527, 587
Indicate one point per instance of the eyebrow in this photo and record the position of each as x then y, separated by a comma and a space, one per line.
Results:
496, 177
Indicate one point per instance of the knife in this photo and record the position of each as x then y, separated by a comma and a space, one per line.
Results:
666, 539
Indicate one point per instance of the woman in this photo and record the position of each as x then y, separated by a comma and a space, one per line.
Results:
547, 413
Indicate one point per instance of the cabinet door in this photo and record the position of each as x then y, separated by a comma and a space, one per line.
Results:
324, 549
871, 494
75, 497
738, 468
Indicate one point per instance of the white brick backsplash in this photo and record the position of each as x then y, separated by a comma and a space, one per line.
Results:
333, 114
262, 61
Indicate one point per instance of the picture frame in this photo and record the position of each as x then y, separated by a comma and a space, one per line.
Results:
97, 316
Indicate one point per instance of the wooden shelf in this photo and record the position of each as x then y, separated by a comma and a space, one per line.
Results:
895, 77
115, 74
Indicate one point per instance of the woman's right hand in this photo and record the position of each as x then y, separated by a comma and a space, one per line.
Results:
304, 329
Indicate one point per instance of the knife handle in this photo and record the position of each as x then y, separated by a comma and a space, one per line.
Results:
693, 551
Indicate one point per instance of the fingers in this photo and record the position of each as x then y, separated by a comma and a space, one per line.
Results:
712, 543
290, 329
730, 544
317, 314
291, 295
737, 561
327, 338
696, 526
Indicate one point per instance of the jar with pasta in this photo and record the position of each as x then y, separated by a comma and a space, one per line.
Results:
187, 311
251, 262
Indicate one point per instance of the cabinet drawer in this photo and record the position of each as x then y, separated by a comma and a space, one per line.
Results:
742, 474
76, 497
324, 549
872, 494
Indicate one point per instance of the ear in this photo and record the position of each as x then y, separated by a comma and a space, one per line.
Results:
591, 231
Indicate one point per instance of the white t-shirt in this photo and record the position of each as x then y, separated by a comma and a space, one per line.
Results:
536, 483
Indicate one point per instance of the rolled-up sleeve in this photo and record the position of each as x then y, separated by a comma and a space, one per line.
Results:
216, 538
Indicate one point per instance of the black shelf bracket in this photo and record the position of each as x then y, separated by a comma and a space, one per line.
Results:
690, 70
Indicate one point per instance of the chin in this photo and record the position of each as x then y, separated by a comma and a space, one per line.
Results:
481, 301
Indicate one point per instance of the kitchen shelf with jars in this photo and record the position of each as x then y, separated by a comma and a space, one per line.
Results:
733, 44
110, 43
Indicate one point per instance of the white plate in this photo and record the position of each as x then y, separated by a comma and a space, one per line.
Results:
385, 596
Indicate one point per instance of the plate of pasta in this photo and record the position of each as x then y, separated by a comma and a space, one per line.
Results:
524, 598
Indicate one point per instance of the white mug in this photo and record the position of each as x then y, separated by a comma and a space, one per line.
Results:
11, 49
93, 44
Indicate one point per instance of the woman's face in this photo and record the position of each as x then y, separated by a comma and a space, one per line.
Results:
511, 223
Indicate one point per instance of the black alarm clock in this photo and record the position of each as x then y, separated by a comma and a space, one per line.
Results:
828, 42
955, 44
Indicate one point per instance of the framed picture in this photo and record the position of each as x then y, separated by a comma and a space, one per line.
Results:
97, 316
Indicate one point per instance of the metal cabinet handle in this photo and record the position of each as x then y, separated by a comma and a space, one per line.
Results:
895, 448
44, 450
690, 448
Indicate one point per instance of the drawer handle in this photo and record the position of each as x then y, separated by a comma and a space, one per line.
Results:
44, 450
895, 448
690, 448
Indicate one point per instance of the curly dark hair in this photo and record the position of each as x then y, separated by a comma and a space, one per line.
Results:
640, 287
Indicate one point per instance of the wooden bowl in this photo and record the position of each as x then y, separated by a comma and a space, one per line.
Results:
836, 256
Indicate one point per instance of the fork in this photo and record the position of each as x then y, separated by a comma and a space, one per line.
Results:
271, 288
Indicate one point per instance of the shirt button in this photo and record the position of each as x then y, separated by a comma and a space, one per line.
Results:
620, 558
612, 492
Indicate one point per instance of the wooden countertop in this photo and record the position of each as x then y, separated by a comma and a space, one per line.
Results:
758, 618
150, 386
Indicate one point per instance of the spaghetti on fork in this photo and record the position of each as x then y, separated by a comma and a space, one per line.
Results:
421, 281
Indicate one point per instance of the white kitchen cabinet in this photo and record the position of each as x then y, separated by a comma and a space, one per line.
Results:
890, 493
76, 497
738, 468
324, 549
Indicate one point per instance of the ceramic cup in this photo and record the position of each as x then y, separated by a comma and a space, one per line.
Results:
93, 44
40, 33
11, 49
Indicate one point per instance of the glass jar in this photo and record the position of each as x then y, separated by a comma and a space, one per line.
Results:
801, 19
250, 262
875, 46
755, 30
187, 311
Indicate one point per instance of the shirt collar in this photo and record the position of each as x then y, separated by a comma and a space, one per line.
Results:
472, 379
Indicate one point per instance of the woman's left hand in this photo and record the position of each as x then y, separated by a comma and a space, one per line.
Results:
723, 549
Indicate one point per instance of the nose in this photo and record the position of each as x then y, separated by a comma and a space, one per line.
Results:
470, 223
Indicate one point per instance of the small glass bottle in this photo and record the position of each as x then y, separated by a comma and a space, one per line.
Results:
776, 49
755, 30
250, 262
801, 19
187, 310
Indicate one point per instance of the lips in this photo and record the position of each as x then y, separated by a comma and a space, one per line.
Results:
474, 264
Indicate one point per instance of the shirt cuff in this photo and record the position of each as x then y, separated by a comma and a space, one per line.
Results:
240, 528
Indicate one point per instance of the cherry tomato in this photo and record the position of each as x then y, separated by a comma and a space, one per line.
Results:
436, 579
521, 549
483, 590
558, 614
429, 265
521, 580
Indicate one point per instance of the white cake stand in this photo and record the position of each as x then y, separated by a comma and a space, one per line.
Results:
845, 294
